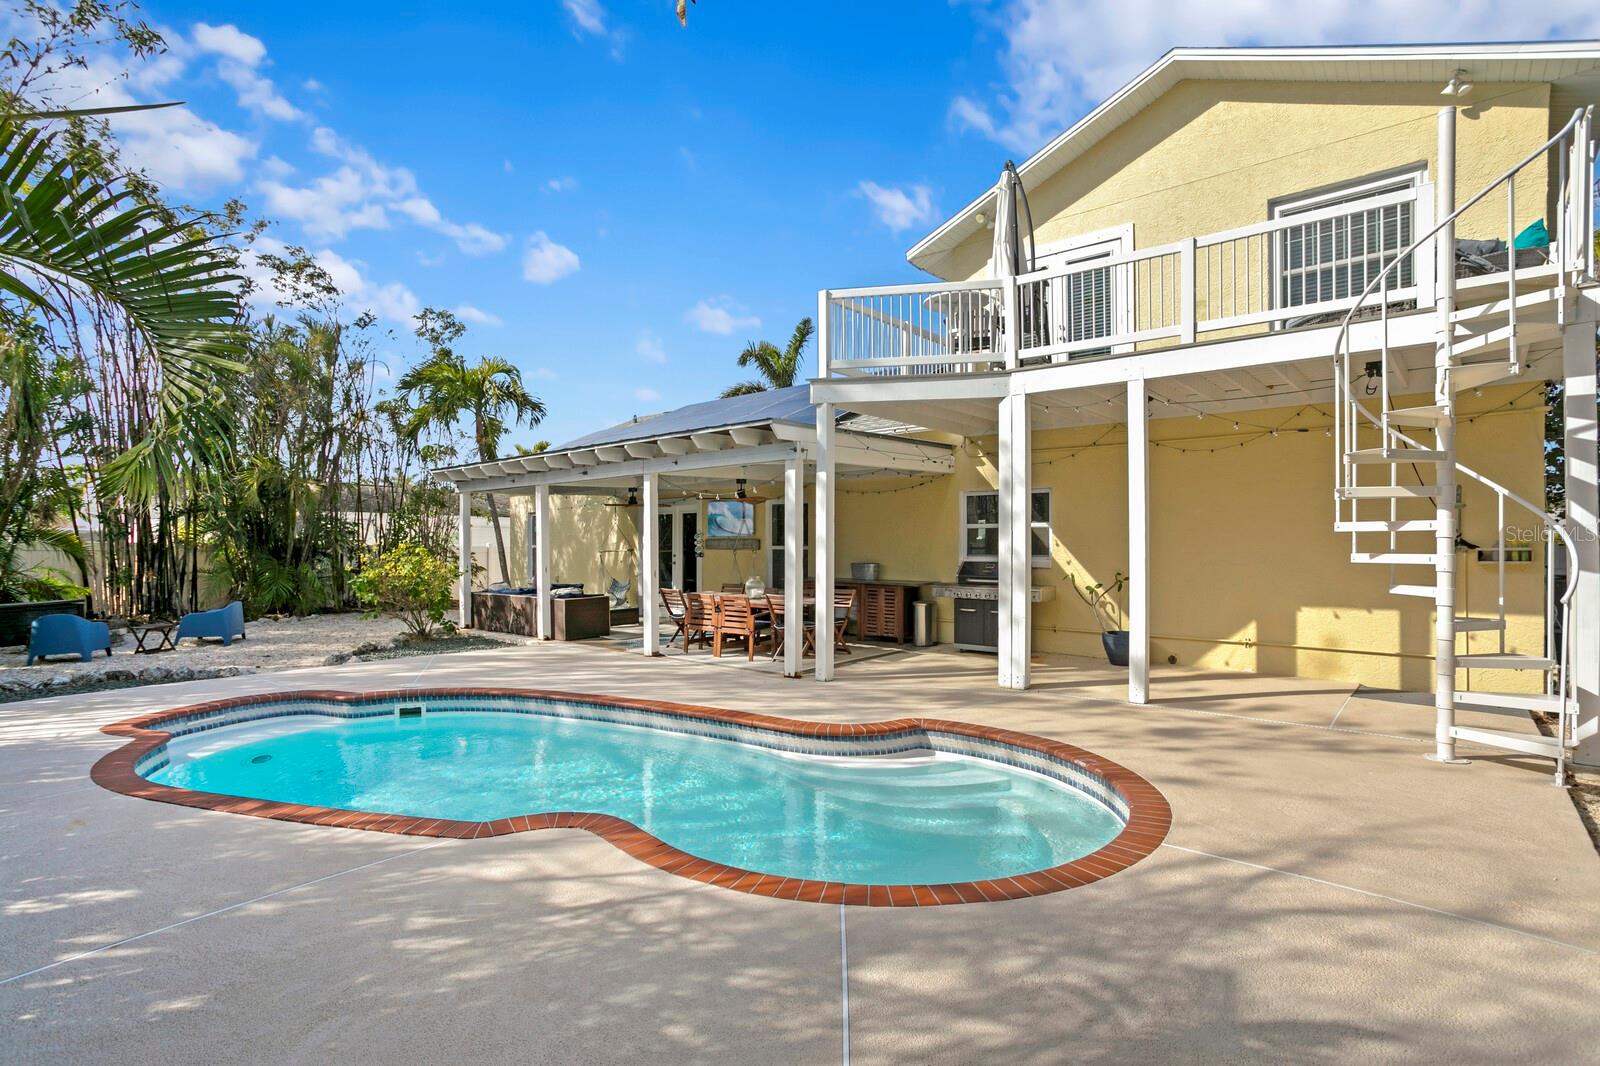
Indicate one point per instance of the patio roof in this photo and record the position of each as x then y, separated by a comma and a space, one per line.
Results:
722, 438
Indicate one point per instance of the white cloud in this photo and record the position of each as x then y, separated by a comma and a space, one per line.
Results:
1062, 57
506, 166
899, 208
546, 261
646, 395
388, 300
649, 348
715, 316
363, 193
477, 316
239, 57
566, 184
312, 85
230, 42
967, 114
587, 16
257, 93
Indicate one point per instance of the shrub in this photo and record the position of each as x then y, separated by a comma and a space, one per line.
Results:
410, 582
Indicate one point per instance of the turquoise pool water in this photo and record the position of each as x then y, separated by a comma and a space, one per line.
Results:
904, 819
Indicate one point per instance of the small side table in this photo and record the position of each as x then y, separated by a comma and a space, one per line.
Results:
159, 632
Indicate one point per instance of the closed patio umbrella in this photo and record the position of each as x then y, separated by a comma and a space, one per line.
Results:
1013, 226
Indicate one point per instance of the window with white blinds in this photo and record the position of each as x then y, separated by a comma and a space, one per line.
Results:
1335, 258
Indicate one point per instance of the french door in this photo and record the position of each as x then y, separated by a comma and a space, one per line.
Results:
677, 545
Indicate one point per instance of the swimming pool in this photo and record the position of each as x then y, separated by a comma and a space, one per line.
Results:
763, 804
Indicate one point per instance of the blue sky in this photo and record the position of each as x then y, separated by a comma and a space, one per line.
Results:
617, 204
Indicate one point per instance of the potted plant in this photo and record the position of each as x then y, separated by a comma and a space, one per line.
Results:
1100, 599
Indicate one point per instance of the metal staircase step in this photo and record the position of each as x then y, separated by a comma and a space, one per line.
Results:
1479, 625
1388, 492
1395, 558
1516, 702
1465, 316
1464, 376
1507, 661
1426, 592
1428, 417
1403, 525
1396, 455
1528, 743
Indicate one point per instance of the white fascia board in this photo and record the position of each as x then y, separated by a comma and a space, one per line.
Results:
733, 457
1239, 353
908, 389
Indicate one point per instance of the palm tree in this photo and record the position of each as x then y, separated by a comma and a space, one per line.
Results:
778, 369
63, 228
444, 388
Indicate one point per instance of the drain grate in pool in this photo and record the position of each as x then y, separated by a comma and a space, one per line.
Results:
262, 758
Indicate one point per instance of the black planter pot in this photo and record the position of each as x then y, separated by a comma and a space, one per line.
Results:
1116, 645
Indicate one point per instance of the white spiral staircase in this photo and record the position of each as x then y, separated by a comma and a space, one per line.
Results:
1396, 468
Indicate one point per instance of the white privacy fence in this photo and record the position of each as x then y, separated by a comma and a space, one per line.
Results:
1305, 268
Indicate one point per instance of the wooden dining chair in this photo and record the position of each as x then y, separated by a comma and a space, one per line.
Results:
736, 619
843, 601
775, 607
678, 614
700, 618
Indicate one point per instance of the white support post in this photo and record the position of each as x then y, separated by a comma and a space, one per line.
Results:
822, 541
541, 562
1011, 305
1187, 312
1016, 553
794, 509
1444, 545
649, 596
464, 588
1138, 543
1583, 515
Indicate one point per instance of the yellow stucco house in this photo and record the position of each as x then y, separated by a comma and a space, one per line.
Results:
1277, 354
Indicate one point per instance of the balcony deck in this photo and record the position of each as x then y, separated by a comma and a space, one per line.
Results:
1241, 319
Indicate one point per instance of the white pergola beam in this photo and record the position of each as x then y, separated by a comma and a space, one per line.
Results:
673, 446
584, 457
558, 461
612, 454
711, 442
643, 449
749, 436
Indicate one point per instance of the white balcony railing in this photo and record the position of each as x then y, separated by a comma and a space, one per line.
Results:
1301, 269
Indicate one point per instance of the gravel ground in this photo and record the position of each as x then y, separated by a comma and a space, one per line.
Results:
270, 645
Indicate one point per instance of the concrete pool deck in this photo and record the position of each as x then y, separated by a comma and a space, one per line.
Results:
1325, 894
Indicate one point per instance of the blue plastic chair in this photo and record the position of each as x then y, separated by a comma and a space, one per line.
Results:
67, 634
222, 624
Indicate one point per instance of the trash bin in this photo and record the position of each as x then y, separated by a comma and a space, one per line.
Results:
923, 621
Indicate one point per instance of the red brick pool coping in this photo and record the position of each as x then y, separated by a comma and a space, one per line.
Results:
1149, 816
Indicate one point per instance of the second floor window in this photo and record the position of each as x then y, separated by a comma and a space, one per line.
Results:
1334, 258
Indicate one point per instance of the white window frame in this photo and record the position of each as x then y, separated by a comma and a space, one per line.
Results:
1038, 562
1350, 193
775, 542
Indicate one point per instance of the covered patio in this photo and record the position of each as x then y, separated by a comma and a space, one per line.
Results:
728, 450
